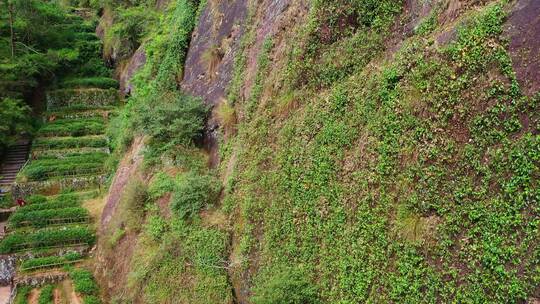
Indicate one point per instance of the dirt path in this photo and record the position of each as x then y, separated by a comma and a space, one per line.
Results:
33, 297
75, 298
57, 297
72, 297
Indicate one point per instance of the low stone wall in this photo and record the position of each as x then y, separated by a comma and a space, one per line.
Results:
62, 152
56, 186
82, 250
43, 279
89, 97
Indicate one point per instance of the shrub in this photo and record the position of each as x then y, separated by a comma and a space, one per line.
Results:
156, 226
174, 120
46, 295
6, 201
192, 193
129, 29
160, 185
226, 115
288, 286
79, 107
93, 67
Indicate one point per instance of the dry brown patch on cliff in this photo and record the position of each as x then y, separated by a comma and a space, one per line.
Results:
127, 168
112, 268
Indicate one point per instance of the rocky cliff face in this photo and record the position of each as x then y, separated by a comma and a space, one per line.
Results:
361, 145
523, 31
214, 45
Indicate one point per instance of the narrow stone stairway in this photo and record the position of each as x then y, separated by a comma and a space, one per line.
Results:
14, 159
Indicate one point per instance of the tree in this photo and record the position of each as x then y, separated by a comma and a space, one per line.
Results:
14, 118
9, 5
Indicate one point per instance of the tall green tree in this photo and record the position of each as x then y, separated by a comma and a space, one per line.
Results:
14, 118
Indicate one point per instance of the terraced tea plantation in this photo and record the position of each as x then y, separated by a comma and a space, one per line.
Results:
50, 235
70, 149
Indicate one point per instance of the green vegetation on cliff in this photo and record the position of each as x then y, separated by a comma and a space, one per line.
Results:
407, 180
369, 158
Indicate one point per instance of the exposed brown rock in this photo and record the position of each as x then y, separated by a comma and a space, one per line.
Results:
210, 59
127, 168
135, 63
523, 31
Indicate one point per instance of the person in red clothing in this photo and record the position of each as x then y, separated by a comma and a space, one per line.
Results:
20, 202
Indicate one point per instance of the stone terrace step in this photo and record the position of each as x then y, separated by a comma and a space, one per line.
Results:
62, 98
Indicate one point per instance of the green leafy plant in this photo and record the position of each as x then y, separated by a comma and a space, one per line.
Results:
288, 286
83, 281
176, 119
192, 193
22, 294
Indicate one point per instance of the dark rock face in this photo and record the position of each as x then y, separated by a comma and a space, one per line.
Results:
136, 62
210, 59
271, 18
523, 30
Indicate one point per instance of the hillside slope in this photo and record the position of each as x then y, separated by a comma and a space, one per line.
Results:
356, 151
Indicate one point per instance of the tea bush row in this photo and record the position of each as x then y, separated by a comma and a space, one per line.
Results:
73, 127
46, 238
73, 165
70, 142
44, 262
41, 218
84, 284
90, 82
